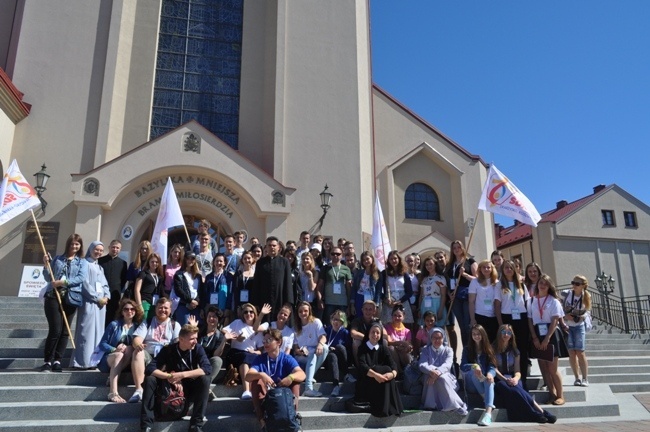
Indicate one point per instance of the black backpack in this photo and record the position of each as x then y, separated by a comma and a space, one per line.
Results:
170, 405
280, 412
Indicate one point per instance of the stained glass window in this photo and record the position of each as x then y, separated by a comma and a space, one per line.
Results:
198, 67
421, 202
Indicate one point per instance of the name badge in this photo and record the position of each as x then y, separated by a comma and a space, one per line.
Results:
214, 298
338, 288
543, 329
243, 296
516, 315
452, 284
487, 304
412, 299
428, 302
99, 288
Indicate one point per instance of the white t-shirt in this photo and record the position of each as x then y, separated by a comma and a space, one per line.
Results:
484, 305
288, 336
157, 335
549, 306
252, 341
512, 299
310, 334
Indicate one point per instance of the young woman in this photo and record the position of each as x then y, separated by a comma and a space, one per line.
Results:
150, 282
577, 307
481, 298
187, 283
508, 389
141, 259
243, 281
257, 252
308, 279
282, 323
413, 272
213, 341
461, 270
423, 336
433, 293
399, 338
92, 313
174, 263
243, 348
436, 362
395, 288
532, 274
337, 341
309, 346
479, 369
290, 255
217, 289
365, 283
69, 270
327, 249
497, 260
118, 352
377, 372
545, 313
510, 305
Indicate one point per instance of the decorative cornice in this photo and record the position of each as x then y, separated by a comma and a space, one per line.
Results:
11, 100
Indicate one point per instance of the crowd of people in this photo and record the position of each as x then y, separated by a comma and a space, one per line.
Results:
276, 313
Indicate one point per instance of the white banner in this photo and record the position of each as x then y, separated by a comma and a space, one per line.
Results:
379, 243
16, 194
169, 215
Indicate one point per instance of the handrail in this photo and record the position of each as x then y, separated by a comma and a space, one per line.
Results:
630, 314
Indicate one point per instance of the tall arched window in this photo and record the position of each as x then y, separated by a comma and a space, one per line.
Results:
421, 202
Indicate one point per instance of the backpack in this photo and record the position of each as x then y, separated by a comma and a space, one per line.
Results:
170, 404
280, 412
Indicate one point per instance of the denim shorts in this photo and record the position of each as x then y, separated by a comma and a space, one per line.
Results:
576, 338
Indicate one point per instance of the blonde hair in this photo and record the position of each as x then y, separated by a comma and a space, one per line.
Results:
493, 274
586, 296
505, 283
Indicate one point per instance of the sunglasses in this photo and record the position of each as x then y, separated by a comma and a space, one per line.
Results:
247, 312
130, 309
574, 283
337, 253
506, 332
268, 341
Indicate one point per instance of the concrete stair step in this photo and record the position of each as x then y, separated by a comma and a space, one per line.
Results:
35, 325
604, 370
33, 352
25, 364
23, 333
615, 343
620, 352
7, 343
614, 378
608, 361
639, 387
12, 310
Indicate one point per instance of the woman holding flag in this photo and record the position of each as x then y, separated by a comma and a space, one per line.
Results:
461, 270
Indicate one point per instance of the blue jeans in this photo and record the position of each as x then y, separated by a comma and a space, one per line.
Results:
576, 337
310, 364
485, 389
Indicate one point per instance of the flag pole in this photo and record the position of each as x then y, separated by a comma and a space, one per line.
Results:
49, 268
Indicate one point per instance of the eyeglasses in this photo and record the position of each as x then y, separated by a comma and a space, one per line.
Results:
268, 340
574, 283
336, 253
246, 312
506, 332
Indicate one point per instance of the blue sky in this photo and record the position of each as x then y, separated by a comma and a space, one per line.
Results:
555, 93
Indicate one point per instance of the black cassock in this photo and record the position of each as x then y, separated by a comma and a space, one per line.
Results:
384, 398
272, 284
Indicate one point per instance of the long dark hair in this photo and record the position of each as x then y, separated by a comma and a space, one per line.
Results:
486, 348
68, 243
399, 269
297, 321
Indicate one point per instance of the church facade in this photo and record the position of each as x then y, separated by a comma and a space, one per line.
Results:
249, 107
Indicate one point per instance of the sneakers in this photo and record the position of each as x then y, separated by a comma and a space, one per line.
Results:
585, 383
246, 395
485, 420
312, 393
349, 378
211, 396
46, 367
56, 367
136, 397
336, 391
577, 382
550, 417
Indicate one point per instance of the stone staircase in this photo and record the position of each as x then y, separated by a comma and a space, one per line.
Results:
76, 400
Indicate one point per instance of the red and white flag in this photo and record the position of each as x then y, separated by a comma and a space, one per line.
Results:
379, 243
502, 197
169, 216
16, 194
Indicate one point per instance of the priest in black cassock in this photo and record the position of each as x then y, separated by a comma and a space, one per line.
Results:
272, 282
115, 272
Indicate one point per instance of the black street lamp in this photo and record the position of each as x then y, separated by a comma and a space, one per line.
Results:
325, 198
605, 284
41, 180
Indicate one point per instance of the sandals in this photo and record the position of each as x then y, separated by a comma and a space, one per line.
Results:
115, 398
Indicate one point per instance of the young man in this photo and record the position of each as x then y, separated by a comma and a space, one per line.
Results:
115, 272
239, 244
185, 365
232, 260
203, 228
305, 238
205, 255
334, 284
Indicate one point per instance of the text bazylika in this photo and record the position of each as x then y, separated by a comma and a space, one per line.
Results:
200, 181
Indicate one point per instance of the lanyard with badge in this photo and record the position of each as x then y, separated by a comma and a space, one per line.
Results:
243, 294
183, 360
214, 294
516, 314
338, 285
543, 327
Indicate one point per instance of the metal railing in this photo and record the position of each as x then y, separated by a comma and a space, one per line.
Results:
629, 315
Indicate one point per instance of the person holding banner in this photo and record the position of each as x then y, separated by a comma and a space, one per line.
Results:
68, 270
461, 270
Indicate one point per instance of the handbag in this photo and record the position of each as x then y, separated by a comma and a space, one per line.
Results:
73, 296
540, 354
